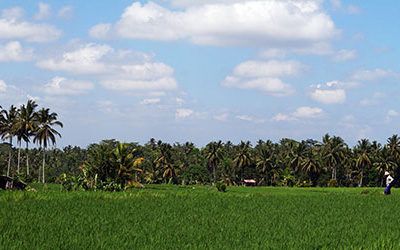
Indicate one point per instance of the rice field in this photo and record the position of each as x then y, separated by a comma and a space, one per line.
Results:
176, 217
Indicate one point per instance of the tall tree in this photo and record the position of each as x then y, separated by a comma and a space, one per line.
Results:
26, 126
363, 161
46, 133
7, 131
214, 155
243, 157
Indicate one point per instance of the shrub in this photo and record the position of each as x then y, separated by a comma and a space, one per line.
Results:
332, 183
221, 186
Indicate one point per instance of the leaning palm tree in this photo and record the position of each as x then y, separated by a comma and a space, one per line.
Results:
45, 133
7, 130
25, 127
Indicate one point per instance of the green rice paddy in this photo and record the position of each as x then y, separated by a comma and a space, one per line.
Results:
175, 217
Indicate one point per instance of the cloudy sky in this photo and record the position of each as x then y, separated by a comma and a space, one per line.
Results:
202, 70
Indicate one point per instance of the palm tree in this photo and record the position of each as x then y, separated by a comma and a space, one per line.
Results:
384, 163
26, 126
243, 156
332, 151
45, 133
214, 154
127, 163
164, 161
311, 165
265, 162
7, 130
363, 160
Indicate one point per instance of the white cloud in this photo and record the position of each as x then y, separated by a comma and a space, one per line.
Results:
300, 113
221, 117
13, 51
329, 93
150, 101
349, 9
282, 117
271, 68
13, 13
44, 11
344, 55
3, 86
226, 23
264, 76
183, 113
65, 12
307, 112
249, 118
13, 27
100, 30
63, 86
391, 114
115, 69
85, 60
373, 75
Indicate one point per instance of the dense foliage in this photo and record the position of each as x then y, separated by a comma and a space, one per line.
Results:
287, 163
200, 217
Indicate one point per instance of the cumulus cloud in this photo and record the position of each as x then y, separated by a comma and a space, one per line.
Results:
43, 12
329, 93
225, 23
264, 75
12, 26
13, 51
63, 86
183, 113
300, 113
115, 69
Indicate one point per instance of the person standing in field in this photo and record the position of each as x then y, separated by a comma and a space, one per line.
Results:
389, 182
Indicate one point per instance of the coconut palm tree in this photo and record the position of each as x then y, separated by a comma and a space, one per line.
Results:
332, 150
363, 161
243, 156
25, 127
311, 165
214, 155
46, 133
7, 130
164, 161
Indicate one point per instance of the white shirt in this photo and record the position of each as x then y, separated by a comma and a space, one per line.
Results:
389, 180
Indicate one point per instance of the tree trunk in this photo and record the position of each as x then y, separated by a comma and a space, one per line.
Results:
44, 163
9, 158
19, 158
361, 179
27, 159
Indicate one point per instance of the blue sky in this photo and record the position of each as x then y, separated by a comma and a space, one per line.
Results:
202, 70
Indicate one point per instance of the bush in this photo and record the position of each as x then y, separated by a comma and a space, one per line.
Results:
221, 186
332, 183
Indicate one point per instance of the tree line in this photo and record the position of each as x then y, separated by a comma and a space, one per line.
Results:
27, 124
329, 162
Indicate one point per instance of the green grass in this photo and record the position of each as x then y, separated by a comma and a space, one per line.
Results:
174, 217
